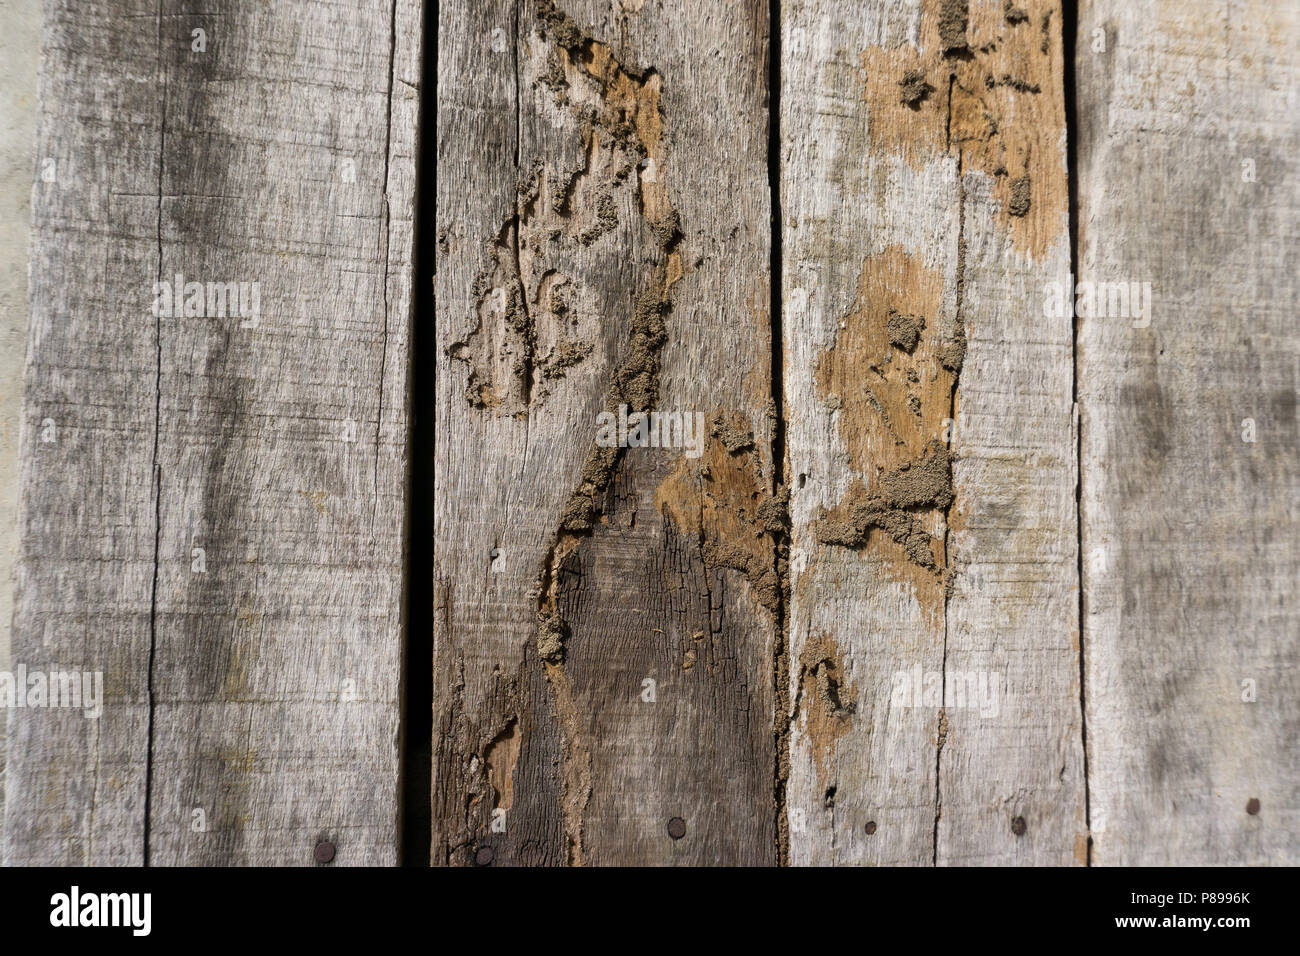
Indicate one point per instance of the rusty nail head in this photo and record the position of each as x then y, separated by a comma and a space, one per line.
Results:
324, 852
677, 828
871, 827
1018, 826
1252, 806
484, 856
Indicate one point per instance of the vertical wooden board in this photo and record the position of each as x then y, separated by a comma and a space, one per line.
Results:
283, 441
1188, 182
1012, 787
605, 617
923, 194
20, 46
76, 787
854, 245
249, 468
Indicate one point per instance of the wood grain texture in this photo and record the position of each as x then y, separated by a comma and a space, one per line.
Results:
603, 239
20, 50
924, 205
844, 630
218, 525
1189, 530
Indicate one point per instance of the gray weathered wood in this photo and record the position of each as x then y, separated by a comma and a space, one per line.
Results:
603, 237
213, 507
924, 175
19, 50
1188, 181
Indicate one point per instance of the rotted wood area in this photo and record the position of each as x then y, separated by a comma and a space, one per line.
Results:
607, 617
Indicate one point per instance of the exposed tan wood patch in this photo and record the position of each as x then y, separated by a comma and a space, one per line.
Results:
1081, 849
720, 498
827, 700
889, 380
533, 319
889, 402
992, 100
575, 762
500, 758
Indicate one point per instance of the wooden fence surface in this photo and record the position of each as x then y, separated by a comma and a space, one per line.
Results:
922, 559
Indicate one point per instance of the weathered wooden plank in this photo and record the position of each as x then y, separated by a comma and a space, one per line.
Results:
76, 789
933, 683
19, 49
1190, 465
213, 499
605, 617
